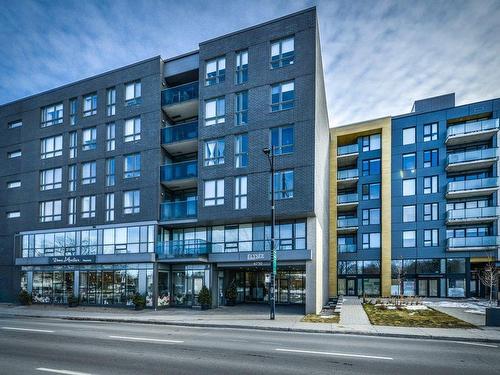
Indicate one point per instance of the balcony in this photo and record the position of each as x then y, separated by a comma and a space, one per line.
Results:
181, 102
471, 132
187, 249
186, 210
180, 139
347, 155
472, 188
473, 243
181, 175
472, 215
347, 202
347, 225
346, 248
471, 160
347, 178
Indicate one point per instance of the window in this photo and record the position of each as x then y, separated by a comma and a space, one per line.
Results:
51, 115
15, 124
431, 237
132, 131
89, 139
430, 132
214, 152
51, 147
110, 207
371, 142
431, 158
111, 101
409, 136
88, 206
240, 192
215, 71
13, 214
241, 108
72, 177
371, 167
14, 154
132, 92
90, 105
409, 187
409, 214
283, 185
430, 211
110, 136
282, 96
214, 192
409, 238
131, 202
50, 211
71, 211
110, 172
73, 106
370, 191
89, 173
371, 216
132, 165
409, 162
215, 111
51, 179
430, 184
371, 240
73, 144
281, 140
282, 52
13, 184
241, 150
241, 72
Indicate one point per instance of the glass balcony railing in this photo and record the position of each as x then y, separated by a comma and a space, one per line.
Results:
347, 223
179, 210
179, 94
179, 171
347, 149
488, 241
183, 248
472, 213
481, 183
346, 248
347, 198
462, 157
347, 174
472, 127
179, 133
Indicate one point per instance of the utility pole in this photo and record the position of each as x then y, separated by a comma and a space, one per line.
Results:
269, 152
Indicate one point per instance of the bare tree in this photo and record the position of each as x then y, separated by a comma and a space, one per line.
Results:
489, 276
400, 276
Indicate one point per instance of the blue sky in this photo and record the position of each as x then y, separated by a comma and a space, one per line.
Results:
378, 56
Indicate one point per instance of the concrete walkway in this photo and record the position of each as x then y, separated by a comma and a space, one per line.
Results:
352, 313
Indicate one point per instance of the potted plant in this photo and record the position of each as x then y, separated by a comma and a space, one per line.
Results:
231, 295
139, 301
205, 298
72, 300
24, 297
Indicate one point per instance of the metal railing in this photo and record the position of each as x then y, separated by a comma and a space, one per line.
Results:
179, 171
347, 149
347, 198
183, 248
179, 133
472, 127
179, 210
461, 157
472, 213
347, 174
487, 241
481, 183
179, 94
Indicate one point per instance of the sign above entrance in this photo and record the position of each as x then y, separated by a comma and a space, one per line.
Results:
72, 259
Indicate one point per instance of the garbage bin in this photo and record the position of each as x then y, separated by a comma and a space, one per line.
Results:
493, 316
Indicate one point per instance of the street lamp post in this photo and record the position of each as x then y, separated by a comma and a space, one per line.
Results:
272, 290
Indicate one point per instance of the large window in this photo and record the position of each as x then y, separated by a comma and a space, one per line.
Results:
241, 72
51, 179
409, 161
409, 136
409, 238
132, 165
215, 71
51, 115
90, 105
88, 206
51, 147
110, 136
132, 130
282, 96
409, 214
73, 108
371, 240
241, 150
214, 152
370, 191
371, 216
371, 167
283, 185
214, 192
110, 207
72, 177
110, 172
215, 111
131, 202
241, 108
50, 211
240, 192
431, 211
409, 187
430, 132
89, 139
89, 173
111, 101
431, 184
371, 142
281, 140
431, 158
431, 237
282, 52
132, 92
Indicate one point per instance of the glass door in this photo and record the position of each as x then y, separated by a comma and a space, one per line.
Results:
433, 288
351, 287
422, 288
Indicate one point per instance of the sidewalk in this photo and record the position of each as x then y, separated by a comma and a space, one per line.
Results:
243, 317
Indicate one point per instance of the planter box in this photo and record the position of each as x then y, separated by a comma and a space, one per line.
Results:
493, 316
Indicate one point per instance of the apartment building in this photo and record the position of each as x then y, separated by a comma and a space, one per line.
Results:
152, 178
414, 201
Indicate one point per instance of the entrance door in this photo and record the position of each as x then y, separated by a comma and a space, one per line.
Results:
351, 287
422, 288
428, 287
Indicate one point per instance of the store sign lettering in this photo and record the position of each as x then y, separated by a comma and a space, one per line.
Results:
255, 256
72, 259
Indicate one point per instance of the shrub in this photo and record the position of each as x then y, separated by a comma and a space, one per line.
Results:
204, 297
231, 294
24, 297
139, 301
73, 300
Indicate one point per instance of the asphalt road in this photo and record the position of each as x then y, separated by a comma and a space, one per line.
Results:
52, 346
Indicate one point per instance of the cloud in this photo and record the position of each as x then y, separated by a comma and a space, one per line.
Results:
378, 56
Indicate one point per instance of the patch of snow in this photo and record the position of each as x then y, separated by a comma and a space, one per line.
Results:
416, 307
479, 312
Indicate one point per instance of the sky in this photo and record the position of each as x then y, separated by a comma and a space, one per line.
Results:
378, 56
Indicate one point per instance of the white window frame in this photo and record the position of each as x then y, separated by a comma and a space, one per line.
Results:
50, 179
89, 139
213, 193
110, 207
110, 136
215, 111
51, 147
136, 166
72, 177
132, 129
90, 104
50, 211
240, 192
240, 156
217, 75
241, 70
111, 101
110, 166
278, 58
51, 115
133, 91
282, 104
89, 172
88, 206
411, 184
239, 112
213, 152
131, 202
71, 211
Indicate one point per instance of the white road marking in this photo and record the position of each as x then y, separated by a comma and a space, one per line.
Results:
67, 372
334, 354
145, 339
27, 329
476, 344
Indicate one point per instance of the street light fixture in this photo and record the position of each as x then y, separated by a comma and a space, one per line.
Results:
269, 152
